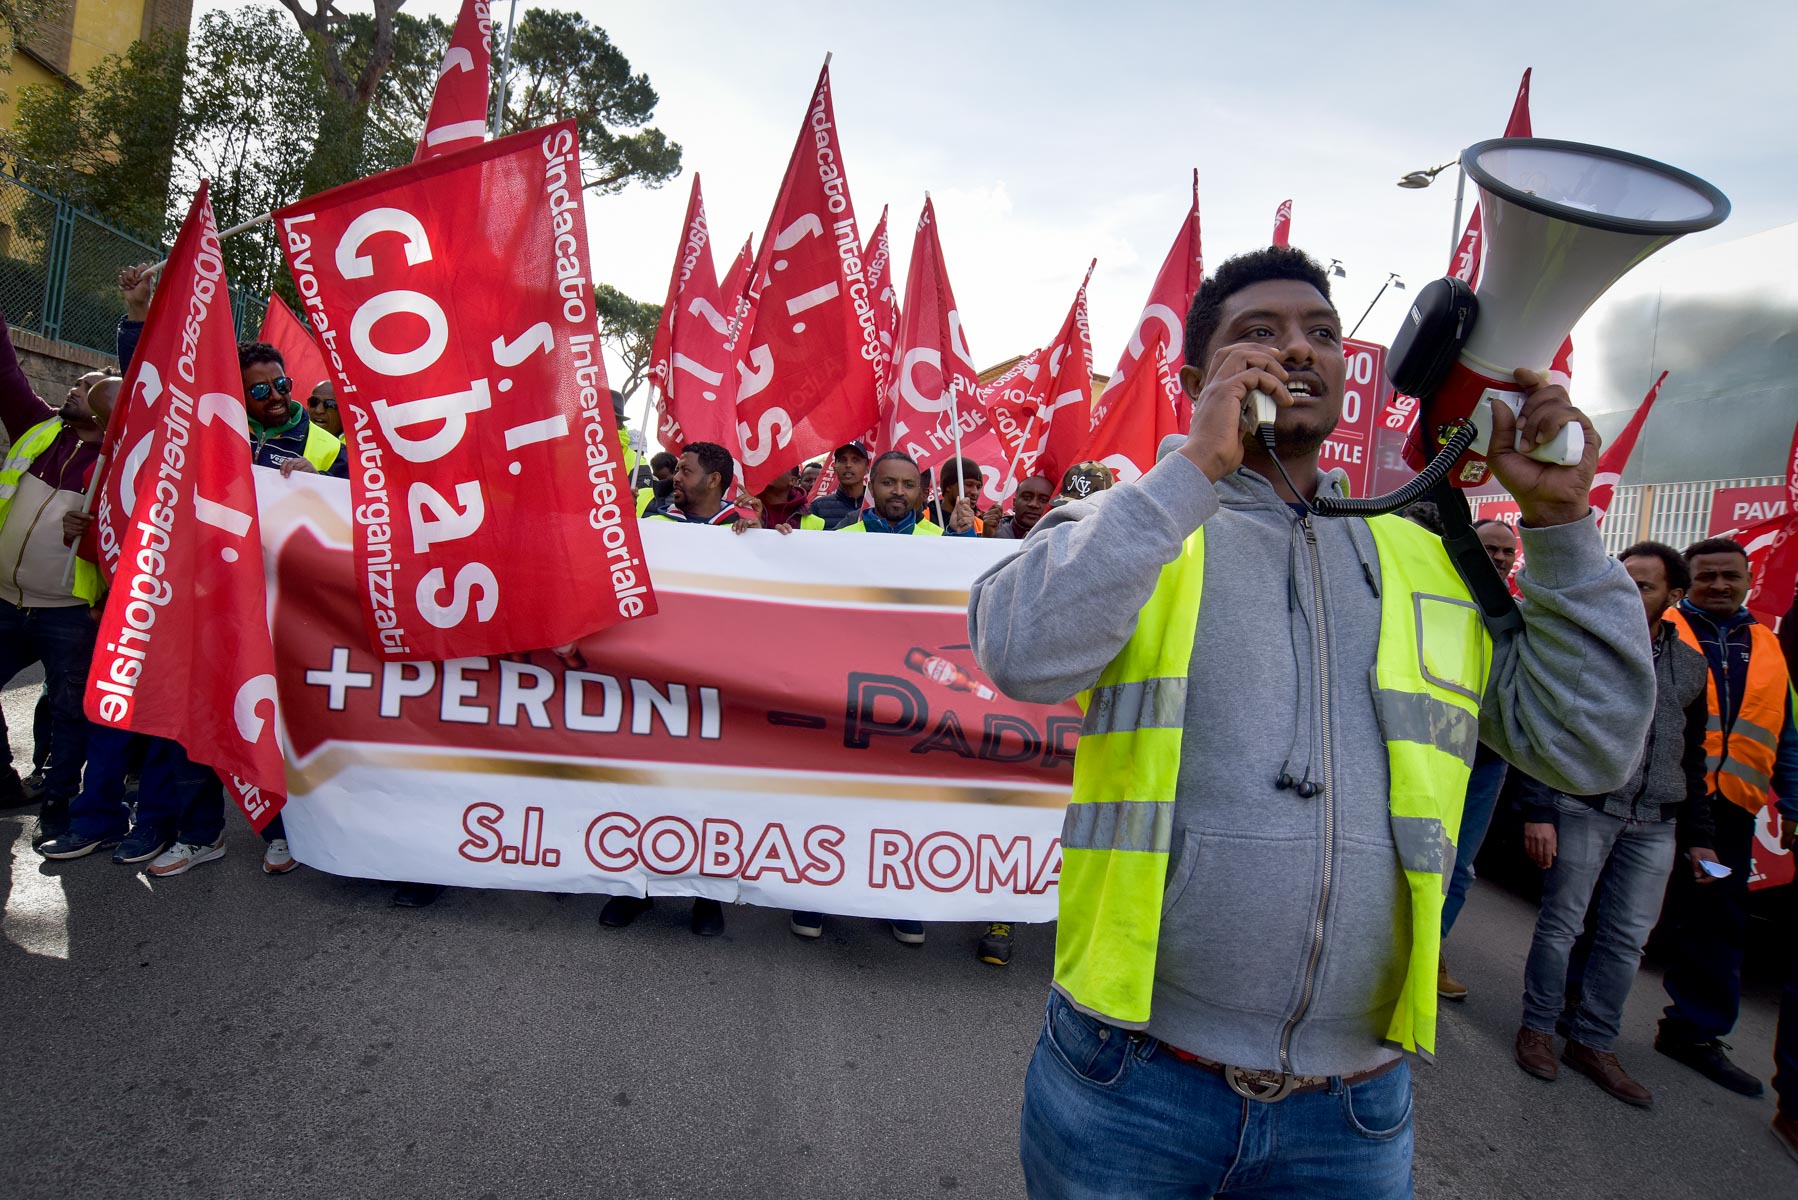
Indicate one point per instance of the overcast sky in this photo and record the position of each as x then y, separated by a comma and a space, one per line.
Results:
1050, 133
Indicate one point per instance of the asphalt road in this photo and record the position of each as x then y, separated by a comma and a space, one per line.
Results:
225, 1034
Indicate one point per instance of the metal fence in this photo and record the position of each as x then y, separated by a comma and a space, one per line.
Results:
59, 268
1675, 513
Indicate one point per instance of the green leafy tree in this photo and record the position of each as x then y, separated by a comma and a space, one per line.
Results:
109, 147
628, 327
562, 66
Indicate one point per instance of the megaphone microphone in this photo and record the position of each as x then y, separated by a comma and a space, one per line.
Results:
1563, 221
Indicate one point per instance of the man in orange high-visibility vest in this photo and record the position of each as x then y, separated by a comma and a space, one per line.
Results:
1751, 743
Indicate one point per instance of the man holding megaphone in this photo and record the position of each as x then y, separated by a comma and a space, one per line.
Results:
1283, 691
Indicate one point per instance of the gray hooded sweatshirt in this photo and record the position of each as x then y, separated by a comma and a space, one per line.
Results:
1285, 926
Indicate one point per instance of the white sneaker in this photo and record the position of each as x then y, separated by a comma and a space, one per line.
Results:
277, 859
184, 856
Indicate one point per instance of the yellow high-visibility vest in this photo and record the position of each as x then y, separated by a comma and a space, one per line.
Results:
1430, 673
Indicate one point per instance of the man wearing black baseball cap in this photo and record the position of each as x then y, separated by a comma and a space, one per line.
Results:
846, 503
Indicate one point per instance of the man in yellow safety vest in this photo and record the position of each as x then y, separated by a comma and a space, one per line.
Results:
1268, 783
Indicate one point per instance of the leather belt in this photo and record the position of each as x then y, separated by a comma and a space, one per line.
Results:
1270, 1086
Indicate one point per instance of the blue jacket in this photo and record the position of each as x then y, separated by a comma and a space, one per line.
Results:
1726, 648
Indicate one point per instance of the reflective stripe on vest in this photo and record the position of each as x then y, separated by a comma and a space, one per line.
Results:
1740, 762
321, 448
1431, 670
33, 442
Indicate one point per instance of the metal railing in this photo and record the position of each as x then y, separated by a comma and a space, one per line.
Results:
59, 268
1676, 513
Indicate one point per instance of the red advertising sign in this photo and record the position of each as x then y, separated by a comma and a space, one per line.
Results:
1738, 508
453, 299
1365, 388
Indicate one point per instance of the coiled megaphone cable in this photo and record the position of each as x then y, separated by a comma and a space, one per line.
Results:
1403, 497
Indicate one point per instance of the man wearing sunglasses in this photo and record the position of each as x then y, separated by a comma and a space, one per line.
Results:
280, 430
321, 406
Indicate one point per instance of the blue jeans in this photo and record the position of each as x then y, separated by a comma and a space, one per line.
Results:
176, 796
1483, 786
1633, 859
63, 640
1109, 1113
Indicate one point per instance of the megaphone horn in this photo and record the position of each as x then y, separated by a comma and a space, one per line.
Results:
1563, 221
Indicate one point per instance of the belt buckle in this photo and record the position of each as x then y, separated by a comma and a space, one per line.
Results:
1266, 1087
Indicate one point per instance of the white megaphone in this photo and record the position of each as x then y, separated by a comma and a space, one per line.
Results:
1562, 222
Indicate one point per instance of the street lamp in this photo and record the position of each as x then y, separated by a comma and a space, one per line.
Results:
1336, 271
1392, 281
1424, 178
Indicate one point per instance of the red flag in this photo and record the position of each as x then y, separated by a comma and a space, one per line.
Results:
458, 116
1130, 417
934, 384
735, 281
1465, 264
1772, 547
1136, 417
183, 648
487, 472
1042, 407
282, 330
1616, 455
809, 346
1283, 223
877, 256
691, 353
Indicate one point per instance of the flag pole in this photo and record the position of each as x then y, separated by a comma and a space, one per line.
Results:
1011, 468
505, 62
87, 510
253, 222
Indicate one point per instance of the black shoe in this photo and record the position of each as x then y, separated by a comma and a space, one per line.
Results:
807, 924
995, 944
622, 910
52, 821
70, 846
1708, 1059
707, 919
12, 791
141, 845
416, 895
909, 932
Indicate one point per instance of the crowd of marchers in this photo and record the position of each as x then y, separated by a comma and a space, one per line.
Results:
1677, 835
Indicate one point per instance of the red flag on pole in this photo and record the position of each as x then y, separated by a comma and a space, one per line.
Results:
1616, 455
690, 357
807, 355
1283, 223
304, 361
458, 116
1465, 264
487, 472
1131, 417
934, 387
877, 255
1772, 547
183, 648
1042, 408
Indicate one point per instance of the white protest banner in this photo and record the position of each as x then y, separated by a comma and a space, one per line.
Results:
801, 725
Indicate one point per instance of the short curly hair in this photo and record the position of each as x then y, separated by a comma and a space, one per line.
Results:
1245, 270
251, 353
1679, 574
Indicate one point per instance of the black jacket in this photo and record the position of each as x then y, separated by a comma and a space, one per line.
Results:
1668, 782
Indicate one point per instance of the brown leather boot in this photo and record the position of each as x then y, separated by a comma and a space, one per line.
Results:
1447, 986
1535, 1053
1602, 1068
